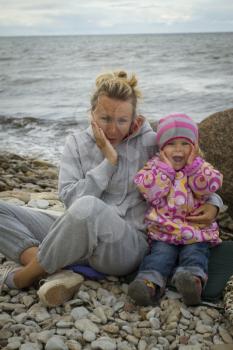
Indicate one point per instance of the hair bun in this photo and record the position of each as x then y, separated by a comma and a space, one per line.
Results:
121, 74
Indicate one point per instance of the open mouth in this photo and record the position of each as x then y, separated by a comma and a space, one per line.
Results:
178, 159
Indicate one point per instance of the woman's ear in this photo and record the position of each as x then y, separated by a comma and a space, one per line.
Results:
136, 124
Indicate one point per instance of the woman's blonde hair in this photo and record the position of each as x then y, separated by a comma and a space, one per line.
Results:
116, 85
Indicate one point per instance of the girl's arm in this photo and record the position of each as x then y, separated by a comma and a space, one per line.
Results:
154, 181
203, 179
73, 183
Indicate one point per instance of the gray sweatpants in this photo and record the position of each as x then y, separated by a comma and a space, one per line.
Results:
89, 231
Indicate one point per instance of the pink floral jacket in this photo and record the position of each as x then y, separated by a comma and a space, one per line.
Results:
173, 195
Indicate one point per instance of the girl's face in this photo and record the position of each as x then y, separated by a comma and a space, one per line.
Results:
178, 151
114, 117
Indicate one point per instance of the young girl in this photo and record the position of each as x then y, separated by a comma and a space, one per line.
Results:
175, 183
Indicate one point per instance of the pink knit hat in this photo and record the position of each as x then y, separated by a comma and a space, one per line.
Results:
174, 126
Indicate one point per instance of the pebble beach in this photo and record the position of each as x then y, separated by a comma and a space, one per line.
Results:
100, 315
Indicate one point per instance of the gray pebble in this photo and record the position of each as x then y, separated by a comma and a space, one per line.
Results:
104, 343
55, 343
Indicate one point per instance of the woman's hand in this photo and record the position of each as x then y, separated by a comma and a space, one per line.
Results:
204, 216
103, 143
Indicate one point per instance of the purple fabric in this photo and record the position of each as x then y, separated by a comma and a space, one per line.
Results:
86, 271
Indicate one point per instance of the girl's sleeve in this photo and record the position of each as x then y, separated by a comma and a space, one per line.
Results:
73, 183
154, 181
202, 177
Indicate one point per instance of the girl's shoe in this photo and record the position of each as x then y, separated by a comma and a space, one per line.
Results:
59, 288
189, 286
228, 300
143, 292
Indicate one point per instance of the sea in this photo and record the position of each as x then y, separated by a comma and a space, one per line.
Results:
46, 82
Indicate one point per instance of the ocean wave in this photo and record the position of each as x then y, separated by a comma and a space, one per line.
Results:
26, 122
2, 59
26, 81
18, 122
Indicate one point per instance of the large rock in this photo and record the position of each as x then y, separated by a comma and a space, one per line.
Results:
216, 140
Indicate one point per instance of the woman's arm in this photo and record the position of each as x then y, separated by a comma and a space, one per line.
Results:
154, 180
73, 183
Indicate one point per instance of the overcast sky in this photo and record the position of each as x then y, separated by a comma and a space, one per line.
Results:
63, 17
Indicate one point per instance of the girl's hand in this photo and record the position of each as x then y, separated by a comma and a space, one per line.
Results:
103, 143
204, 215
164, 159
193, 154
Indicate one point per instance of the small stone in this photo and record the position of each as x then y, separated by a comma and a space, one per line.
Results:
14, 345
164, 342
190, 347
123, 345
217, 340
79, 312
202, 328
31, 346
127, 328
89, 336
154, 322
129, 307
142, 345
13, 307
186, 313
119, 305
44, 336
103, 343
27, 300
184, 321
55, 343
39, 313
111, 328
132, 339
5, 334
84, 296
99, 312
213, 313
73, 345
206, 319
85, 324
64, 324
5, 318
227, 338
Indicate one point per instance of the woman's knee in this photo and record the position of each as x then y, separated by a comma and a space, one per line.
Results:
5, 208
86, 207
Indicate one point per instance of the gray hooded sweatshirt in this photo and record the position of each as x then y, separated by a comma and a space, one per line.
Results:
85, 171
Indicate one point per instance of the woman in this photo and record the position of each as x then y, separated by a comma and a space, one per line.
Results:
103, 223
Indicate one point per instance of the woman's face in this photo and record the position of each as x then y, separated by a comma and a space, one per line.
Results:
114, 117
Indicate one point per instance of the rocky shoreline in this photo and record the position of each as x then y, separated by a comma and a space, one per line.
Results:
101, 315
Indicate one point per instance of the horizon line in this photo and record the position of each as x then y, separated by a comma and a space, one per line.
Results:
110, 34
